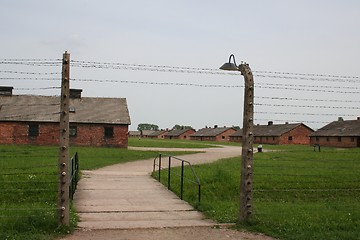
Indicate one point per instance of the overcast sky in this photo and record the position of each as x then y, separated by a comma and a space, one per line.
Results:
306, 37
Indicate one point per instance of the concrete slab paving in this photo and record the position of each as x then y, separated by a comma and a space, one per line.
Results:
125, 196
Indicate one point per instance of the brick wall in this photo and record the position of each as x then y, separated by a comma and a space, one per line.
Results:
235, 139
17, 133
298, 135
186, 135
94, 135
345, 142
225, 136
87, 134
266, 140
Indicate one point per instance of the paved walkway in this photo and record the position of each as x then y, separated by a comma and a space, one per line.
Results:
124, 196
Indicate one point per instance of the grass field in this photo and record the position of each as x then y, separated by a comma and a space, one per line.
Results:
298, 193
174, 143
29, 186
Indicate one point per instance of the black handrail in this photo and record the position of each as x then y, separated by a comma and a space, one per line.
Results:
197, 180
74, 174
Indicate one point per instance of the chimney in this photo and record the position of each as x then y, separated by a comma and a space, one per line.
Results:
270, 123
75, 93
6, 91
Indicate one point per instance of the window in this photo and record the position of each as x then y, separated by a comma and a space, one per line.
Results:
352, 139
328, 139
73, 131
290, 138
339, 139
33, 130
72, 109
109, 132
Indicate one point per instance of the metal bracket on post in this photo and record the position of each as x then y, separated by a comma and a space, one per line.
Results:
63, 162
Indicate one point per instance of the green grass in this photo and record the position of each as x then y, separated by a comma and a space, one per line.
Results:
174, 143
28, 177
28, 200
298, 193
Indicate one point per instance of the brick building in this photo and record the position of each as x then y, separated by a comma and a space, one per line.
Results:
158, 134
296, 133
179, 134
28, 119
219, 134
338, 134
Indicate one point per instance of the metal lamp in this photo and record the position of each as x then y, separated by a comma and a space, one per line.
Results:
230, 66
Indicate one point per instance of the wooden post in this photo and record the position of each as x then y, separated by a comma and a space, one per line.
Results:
64, 176
246, 184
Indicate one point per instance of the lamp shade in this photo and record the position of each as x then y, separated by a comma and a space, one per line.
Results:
229, 67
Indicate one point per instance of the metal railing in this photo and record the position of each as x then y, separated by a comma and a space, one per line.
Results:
158, 162
74, 174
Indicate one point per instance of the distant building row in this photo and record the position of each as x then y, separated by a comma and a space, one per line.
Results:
336, 134
27, 119
205, 134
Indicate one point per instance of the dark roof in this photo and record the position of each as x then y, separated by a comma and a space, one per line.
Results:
156, 133
210, 132
177, 132
46, 109
146, 132
274, 130
348, 128
134, 133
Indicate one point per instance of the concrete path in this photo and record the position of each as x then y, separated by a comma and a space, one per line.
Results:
124, 196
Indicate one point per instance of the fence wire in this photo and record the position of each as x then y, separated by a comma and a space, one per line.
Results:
320, 185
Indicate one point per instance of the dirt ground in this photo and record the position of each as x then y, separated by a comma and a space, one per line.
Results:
192, 233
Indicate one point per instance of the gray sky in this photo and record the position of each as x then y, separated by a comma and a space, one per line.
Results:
307, 37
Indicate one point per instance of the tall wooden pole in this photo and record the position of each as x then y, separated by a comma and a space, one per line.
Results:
246, 182
64, 178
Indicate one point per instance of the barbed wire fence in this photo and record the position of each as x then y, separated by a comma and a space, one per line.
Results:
272, 177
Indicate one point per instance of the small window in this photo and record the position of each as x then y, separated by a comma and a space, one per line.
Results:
33, 130
72, 109
223, 137
273, 138
352, 139
328, 139
73, 131
290, 138
339, 139
109, 132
